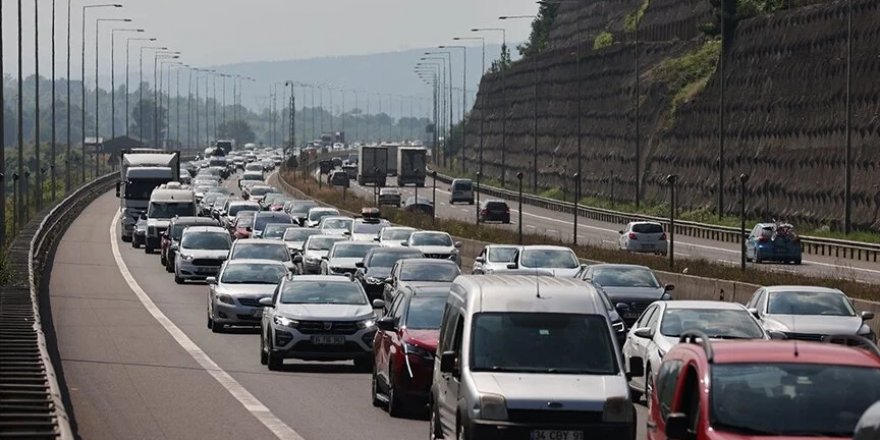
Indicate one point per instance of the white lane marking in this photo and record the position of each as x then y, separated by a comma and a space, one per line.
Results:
250, 403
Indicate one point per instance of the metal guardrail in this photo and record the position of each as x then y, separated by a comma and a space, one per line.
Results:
852, 250
31, 404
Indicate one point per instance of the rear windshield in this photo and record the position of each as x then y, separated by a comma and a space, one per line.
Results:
301, 208
252, 177
425, 312
299, 234
235, 209
323, 243
496, 205
625, 277
809, 303
341, 250
647, 228
440, 272
213, 241
387, 259
502, 255
462, 186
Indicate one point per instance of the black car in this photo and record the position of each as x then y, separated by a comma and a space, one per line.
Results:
418, 272
420, 206
377, 265
339, 178
495, 211
336, 161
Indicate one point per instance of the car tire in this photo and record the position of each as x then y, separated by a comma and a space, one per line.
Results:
178, 279
264, 356
461, 432
649, 388
169, 266
396, 408
163, 260
210, 323
435, 431
126, 238
135, 243
148, 249
218, 328
375, 391
363, 363
797, 262
273, 360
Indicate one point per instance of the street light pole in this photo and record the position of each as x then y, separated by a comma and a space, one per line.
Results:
503, 99
97, 87
128, 78
463, 101
113, 76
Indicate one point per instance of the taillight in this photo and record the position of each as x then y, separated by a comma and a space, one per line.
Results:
632, 236
663, 236
484, 211
763, 239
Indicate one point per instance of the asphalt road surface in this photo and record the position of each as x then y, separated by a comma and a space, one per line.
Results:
139, 361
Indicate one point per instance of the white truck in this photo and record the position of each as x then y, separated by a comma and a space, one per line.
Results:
140, 172
392, 157
373, 165
412, 170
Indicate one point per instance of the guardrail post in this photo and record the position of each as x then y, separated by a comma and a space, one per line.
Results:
519, 177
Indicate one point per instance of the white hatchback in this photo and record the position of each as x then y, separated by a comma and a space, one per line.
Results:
644, 237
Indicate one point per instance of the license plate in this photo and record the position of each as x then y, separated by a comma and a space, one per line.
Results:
328, 340
552, 434
646, 247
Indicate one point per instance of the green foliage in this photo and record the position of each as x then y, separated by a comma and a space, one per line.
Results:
603, 40
503, 62
687, 76
632, 20
751, 8
239, 130
541, 25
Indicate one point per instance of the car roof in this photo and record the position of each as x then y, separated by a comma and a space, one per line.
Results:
325, 278
795, 289
323, 208
520, 293
171, 195
194, 220
618, 266
212, 229
274, 214
430, 232
791, 351
394, 250
258, 241
507, 246
337, 217
242, 203
709, 305
254, 261
545, 247
436, 261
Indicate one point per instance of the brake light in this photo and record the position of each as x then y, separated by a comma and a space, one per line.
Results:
484, 211
633, 236
763, 239
663, 236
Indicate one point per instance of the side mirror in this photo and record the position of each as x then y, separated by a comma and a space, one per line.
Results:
620, 232
867, 316
389, 281
621, 308
511, 266
448, 362
676, 426
776, 335
266, 301
378, 304
376, 239
386, 324
669, 288
359, 264
754, 312
211, 280
457, 245
644, 333
326, 258
143, 216
298, 259
636, 368
481, 260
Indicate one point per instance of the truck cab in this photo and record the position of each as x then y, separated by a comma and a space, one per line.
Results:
141, 171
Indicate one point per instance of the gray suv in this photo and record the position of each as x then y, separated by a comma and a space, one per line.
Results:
201, 252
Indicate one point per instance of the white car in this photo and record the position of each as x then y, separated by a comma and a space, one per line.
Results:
201, 252
494, 257
394, 236
644, 237
344, 257
435, 244
367, 229
313, 218
558, 260
315, 249
335, 225
257, 249
234, 295
659, 328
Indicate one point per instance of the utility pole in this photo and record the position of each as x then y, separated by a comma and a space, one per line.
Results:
38, 188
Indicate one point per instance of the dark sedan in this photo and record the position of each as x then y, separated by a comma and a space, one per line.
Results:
377, 265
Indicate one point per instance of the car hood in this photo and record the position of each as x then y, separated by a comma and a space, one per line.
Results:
158, 223
341, 312
203, 253
823, 325
348, 263
334, 231
316, 254
246, 290
624, 294
363, 237
557, 272
427, 339
574, 392
378, 272
435, 249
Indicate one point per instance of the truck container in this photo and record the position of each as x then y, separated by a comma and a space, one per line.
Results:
412, 168
140, 172
392, 157
373, 165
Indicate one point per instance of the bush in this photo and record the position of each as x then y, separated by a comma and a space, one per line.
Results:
603, 40
687, 76
632, 20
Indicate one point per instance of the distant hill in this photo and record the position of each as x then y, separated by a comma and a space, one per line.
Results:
384, 73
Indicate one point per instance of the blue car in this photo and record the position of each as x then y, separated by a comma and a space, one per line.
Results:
773, 242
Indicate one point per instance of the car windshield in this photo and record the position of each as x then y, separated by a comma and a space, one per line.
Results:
253, 273
261, 251
221, 190
177, 230
169, 210
323, 292
809, 303
387, 259
367, 228
529, 343
438, 271
262, 220
212, 241
252, 177
436, 239
244, 221
647, 228
299, 234
301, 208
397, 234
720, 324
350, 250
274, 231
462, 186
318, 215
235, 209
502, 254
337, 224
261, 191
141, 189
625, 277
551, 258
425, 312
323, 243
798, 399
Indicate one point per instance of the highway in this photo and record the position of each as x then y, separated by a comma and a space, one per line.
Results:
592, 232
140, 363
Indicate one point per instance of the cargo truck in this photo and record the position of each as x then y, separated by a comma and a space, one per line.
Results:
412, 168
392, 158
373, 165
140, 172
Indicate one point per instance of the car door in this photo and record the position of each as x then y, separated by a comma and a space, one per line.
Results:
451, 382
622, 239
388, 288
478, 266
382, 346
635, 348
661, 403
395, 350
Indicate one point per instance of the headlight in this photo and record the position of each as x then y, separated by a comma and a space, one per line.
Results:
617, 410
186, 257
493, 407
373, 280
367, 323
418, 351
619, 327
285, 322
226, 299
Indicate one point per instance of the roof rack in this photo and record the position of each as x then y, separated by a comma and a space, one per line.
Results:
855, 341
691, 337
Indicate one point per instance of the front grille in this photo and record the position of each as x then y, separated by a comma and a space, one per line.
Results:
207, 262
307, 346
804, 336
249, 302
550, 416
438, 256
320, 327
249, 318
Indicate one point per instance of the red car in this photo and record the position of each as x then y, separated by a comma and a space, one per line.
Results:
738, 390
243, 227
404, 349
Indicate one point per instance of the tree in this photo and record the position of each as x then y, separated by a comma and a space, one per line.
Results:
539, 38
144, 112
239, 130
503, 62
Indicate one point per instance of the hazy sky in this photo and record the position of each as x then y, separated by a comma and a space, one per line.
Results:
216, 32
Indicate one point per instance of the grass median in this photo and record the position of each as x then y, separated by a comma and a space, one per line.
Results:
351, 202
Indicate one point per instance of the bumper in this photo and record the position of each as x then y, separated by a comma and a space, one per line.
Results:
189, 271
504, 218
649, 247
522, 431
301, 346
236, 314
311, 267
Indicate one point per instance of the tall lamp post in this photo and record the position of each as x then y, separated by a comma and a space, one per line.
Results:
483, 99
463, 100
97, 88
127, 76
113, 76
446, 56
443, 104
503, 100
141, 87
534, 108
157, 58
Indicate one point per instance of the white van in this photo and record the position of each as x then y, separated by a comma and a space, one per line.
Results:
528, 357
166, 202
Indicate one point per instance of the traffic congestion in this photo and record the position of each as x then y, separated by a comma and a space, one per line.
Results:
514, 342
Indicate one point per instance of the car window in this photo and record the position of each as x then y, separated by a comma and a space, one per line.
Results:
396, 234
395, 304
212, 241
323, 292
425, 312
450, 314
646, 316
625, 277
809, 303
502, 255
253, 274
647, 228
267, 251
387, 259
337, 224
652, 321
341, 250
429, 272
550, 258
299, 234
322, 243
667, 379
753, 302
721, 324
437, 239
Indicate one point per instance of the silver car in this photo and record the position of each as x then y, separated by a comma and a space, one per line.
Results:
316, 214
294, 238
315, 249
435, 244
394, 236
809, 313
494, 257
201, 252
344, 256
234, 295
643, 237
318, 318
367, 229
560, 260
254, 248
335, 225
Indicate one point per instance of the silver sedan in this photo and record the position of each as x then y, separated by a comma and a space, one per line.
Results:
234, 295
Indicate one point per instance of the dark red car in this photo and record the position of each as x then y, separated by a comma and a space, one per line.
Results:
738, 390
404, 349
243, 227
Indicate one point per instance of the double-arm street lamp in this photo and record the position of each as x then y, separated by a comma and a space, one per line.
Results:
157, 57
140, 104
482, 108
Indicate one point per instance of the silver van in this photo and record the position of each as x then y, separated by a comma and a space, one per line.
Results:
528, 357
461, 191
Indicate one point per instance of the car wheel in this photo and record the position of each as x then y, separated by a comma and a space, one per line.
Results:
217, 327
135, 243
178, 279
264, 357
395, 406
273, 360
126, 239
435, 430
169, 266
797, 262
163, 260
758, 259
210, 323
649, 386
375, 388
148, 249
462, 433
